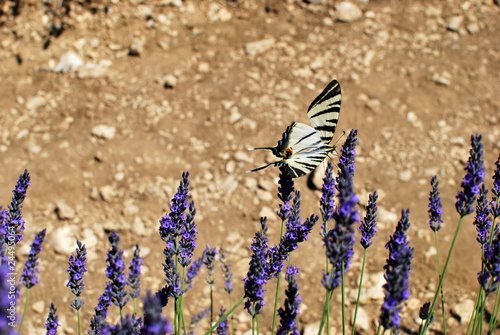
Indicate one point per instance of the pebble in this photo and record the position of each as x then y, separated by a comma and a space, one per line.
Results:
64, 211
94, 70
463, 310
33, 103
104, 132
107, 193
69, 62
443, 79
169, 81
455, 22
362, 319
38, 306
348, 12
472, 28
257, 47
62, 240
405, 175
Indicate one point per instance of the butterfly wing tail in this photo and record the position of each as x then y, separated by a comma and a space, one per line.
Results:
263, 148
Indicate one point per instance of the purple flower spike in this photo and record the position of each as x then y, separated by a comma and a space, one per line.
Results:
339, 241
288, 314
397, 274
52, 320
223, 327
435, 206
257, 273
368, 228
482, 220
496, 178
76, 270
489, 277
115, 271
227, 274
209, 261
134, 277
15, 222
100, 313
30, 271
154, 321
473, 178
192, 272
296, 232
327, 202
187, 243
285, 190
7, 301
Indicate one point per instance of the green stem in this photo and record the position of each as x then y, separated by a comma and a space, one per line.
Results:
359, 293
443, 274
225, 316
494, 315
438, 258
26, 299
326, 313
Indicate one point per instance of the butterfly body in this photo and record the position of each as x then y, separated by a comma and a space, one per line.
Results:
302, 148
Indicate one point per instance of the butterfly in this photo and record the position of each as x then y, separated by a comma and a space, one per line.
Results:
302, 148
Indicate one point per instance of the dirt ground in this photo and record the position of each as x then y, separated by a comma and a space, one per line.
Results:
168, 86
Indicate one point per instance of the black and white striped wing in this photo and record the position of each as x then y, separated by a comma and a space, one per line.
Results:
307, 150
324, 111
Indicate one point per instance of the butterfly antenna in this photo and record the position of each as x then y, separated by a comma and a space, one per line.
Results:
262, 148
262, 167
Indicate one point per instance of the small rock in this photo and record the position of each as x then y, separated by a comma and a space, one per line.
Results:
107, 193
348, 12
35, 102
455, 22
69, 62
93, 70
405, 175
472, 28
463, 310
64, 211
204, 67
443, 79
104, 132
63, 240
362, 319
169, 81
38, 307
257, 47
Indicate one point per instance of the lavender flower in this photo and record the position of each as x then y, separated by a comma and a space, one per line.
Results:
227, 275
134, 277
15, 221
52, 320
100, 314
348, 151
496, 178
223, 327
8, 297
288, 314
3, 235
115, 271
482, 221
209, 261
154, 322
285, 190
128, 325
327, 202
495, 204
257, 274
473, 178
178, 230
76, 270
30, 271
192, 272
397, 274
296, 232
489, 277
196, 318
435, 206
368, 228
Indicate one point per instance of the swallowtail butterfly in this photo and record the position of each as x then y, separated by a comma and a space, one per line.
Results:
302, 148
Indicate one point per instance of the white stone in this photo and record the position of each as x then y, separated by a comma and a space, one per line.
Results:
69, 62
104, 131
63, 240
362, 319
64, 211
257, 47
463, 310
348, 12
